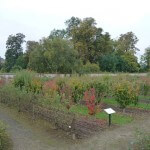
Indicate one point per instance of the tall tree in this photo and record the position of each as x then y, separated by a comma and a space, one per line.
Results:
14, 50
127, 43
58, 34
72, 23
131, 63
54, 55
145, 59
30, 46
37, 60
88, 40
1, 62
103, 44
83, 38
60, 55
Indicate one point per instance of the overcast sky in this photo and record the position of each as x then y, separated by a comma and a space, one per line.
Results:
36, 18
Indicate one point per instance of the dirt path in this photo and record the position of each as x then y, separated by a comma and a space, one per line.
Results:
29, 135
119, 138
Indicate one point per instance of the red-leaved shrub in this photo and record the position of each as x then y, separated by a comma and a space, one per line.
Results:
2, 82
89, 97
50, 85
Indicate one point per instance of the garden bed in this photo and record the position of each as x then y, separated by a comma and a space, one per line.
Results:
59, 100
80, 126
69, 122
136, 109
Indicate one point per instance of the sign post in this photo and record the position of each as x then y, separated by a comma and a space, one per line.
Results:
109, 119
109, 111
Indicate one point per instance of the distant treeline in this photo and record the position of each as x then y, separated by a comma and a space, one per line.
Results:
81, 47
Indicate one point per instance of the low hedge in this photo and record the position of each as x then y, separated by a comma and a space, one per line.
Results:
5, 142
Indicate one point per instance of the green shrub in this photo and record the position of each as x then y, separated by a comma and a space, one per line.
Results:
5, 142
16, 68
28, 80
126, 93
101, 90
23, 79
21, 99
49, 100
89, 68
145, 86
74, 87
27, 89
78, 88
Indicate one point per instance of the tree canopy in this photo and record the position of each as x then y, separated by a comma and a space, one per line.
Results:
81, 47
14, 50
145, 60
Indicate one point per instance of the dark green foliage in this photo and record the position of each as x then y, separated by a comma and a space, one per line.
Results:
28, 81
57, 34
110, 63
89, 68
54, 55
131, 63
22, 62
103, 44
62, 56
14, 50
145, 60
37, 61
76, 49
101, 90
119, 63
1, 63
145, 86
72, 23
23, 78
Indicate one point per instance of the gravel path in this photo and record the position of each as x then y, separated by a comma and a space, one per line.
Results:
30, 136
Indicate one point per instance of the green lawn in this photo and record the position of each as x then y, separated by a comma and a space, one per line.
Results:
141, 97
116, 118
139, 105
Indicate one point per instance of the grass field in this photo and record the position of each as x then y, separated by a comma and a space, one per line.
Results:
140, 105
117, 118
